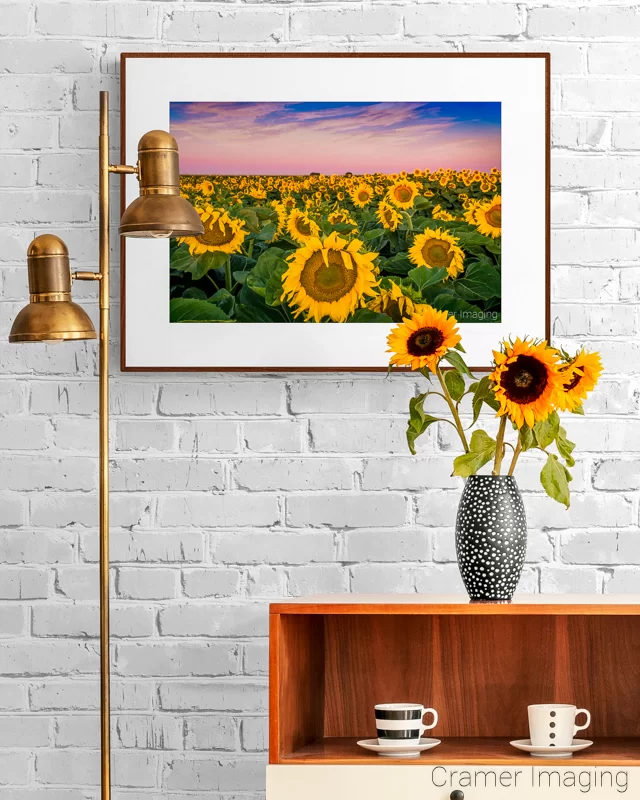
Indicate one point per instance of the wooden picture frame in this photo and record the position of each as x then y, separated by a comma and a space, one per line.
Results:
149, 343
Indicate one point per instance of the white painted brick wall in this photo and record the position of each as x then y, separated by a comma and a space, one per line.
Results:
229, 491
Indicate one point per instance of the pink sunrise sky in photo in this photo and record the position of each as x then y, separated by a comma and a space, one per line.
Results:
300, 138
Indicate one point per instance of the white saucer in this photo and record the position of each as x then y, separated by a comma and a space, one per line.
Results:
552, 752
398, 750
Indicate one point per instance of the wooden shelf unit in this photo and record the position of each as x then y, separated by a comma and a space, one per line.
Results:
479, 664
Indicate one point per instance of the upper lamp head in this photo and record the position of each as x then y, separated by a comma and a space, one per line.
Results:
51, 316
160, 211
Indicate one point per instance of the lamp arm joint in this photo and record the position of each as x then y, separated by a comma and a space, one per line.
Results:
123, 169
87, 276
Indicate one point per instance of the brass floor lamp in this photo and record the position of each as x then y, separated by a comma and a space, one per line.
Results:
51, 316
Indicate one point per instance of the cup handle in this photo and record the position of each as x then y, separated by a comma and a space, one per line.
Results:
424, 728
577, 728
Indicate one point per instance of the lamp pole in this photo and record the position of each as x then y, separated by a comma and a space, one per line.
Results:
51, 315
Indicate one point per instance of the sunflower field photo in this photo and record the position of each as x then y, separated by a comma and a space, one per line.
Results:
338, 212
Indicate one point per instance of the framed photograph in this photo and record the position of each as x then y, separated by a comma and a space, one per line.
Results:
338, 193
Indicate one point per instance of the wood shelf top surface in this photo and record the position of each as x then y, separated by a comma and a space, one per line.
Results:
459, 604
467, 751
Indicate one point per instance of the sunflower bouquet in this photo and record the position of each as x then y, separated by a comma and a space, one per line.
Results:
529, 383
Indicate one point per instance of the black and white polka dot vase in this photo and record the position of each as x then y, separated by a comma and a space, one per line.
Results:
491, 537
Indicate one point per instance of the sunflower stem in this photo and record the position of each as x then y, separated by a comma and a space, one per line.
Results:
497, 464
514, 460
228, 281
250, 249
454, 410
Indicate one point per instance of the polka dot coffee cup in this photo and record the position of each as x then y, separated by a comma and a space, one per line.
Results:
554, 725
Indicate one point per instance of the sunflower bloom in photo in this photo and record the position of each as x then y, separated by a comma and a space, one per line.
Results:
578, 376
301, 227
527, 380
329, 278
402, 193
387, 216
488, 217
423, 340
222, 234
340, 216
393, 302
436, 249
362, 195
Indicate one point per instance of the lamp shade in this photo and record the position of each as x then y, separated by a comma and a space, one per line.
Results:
160, 211
50, 316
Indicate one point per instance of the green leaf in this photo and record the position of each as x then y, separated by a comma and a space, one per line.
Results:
194, 293
421, 276
268, 232
205, 263
187, 310
270, 263
250, 217
547, 430
554, 477
456, 360
527, 439
224, 300
419, 420
578, 410
454, 383
565, 447
478, 282
483, 393
367, 315
251, 307
483, 448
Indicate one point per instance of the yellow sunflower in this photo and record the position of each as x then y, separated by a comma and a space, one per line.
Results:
329, 278
393, 302
441, 214
340, 216
362, 195
578, 377
423, 340
301, 227
527, 379
435, 249
281, 222
488, 217
206, 187
388, 217
402, 193
222, 234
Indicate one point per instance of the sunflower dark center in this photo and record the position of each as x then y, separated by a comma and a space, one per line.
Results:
303, 225
437, 253
217, 234
403, 194
424, 341
363, 196
573, 382
494, 216
327, 283
524, 380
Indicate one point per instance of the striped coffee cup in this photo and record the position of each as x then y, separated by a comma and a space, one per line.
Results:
401, 723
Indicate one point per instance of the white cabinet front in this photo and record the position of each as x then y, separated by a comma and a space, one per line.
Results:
421, 782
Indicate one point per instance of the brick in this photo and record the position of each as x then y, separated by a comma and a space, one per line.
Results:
589, 547
213, 696
562, 580
382, 578
39, 93
200, 659
13, 696
18, 132
82, 510
51, 397
219, 511
318, 579
611, 511
18, 172
36, 548
266, 581
358, 435
384, 396
208, 582
211, 733
150, 434
213, 25
188, 400
349, 23
45, 360
147, 547
625, 135
625, 580
614, 208
583, 21
147, 584
166, 474
20, 56
216, 774
585, 283
76, 434
405, 545
462, 19
256, 658
617, 474
208, 436
273, 436
67, 620
594, 171
47, 658
92, 20
346, 510
12, 621
255, 734
84, 695
408, 474
161, 732
271, 474
217, 620
12, 397
31, 731
14, 767
24, 584
439, 579
583, 133
13, 510
28, 207
16, 18
135, 769
600, 95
